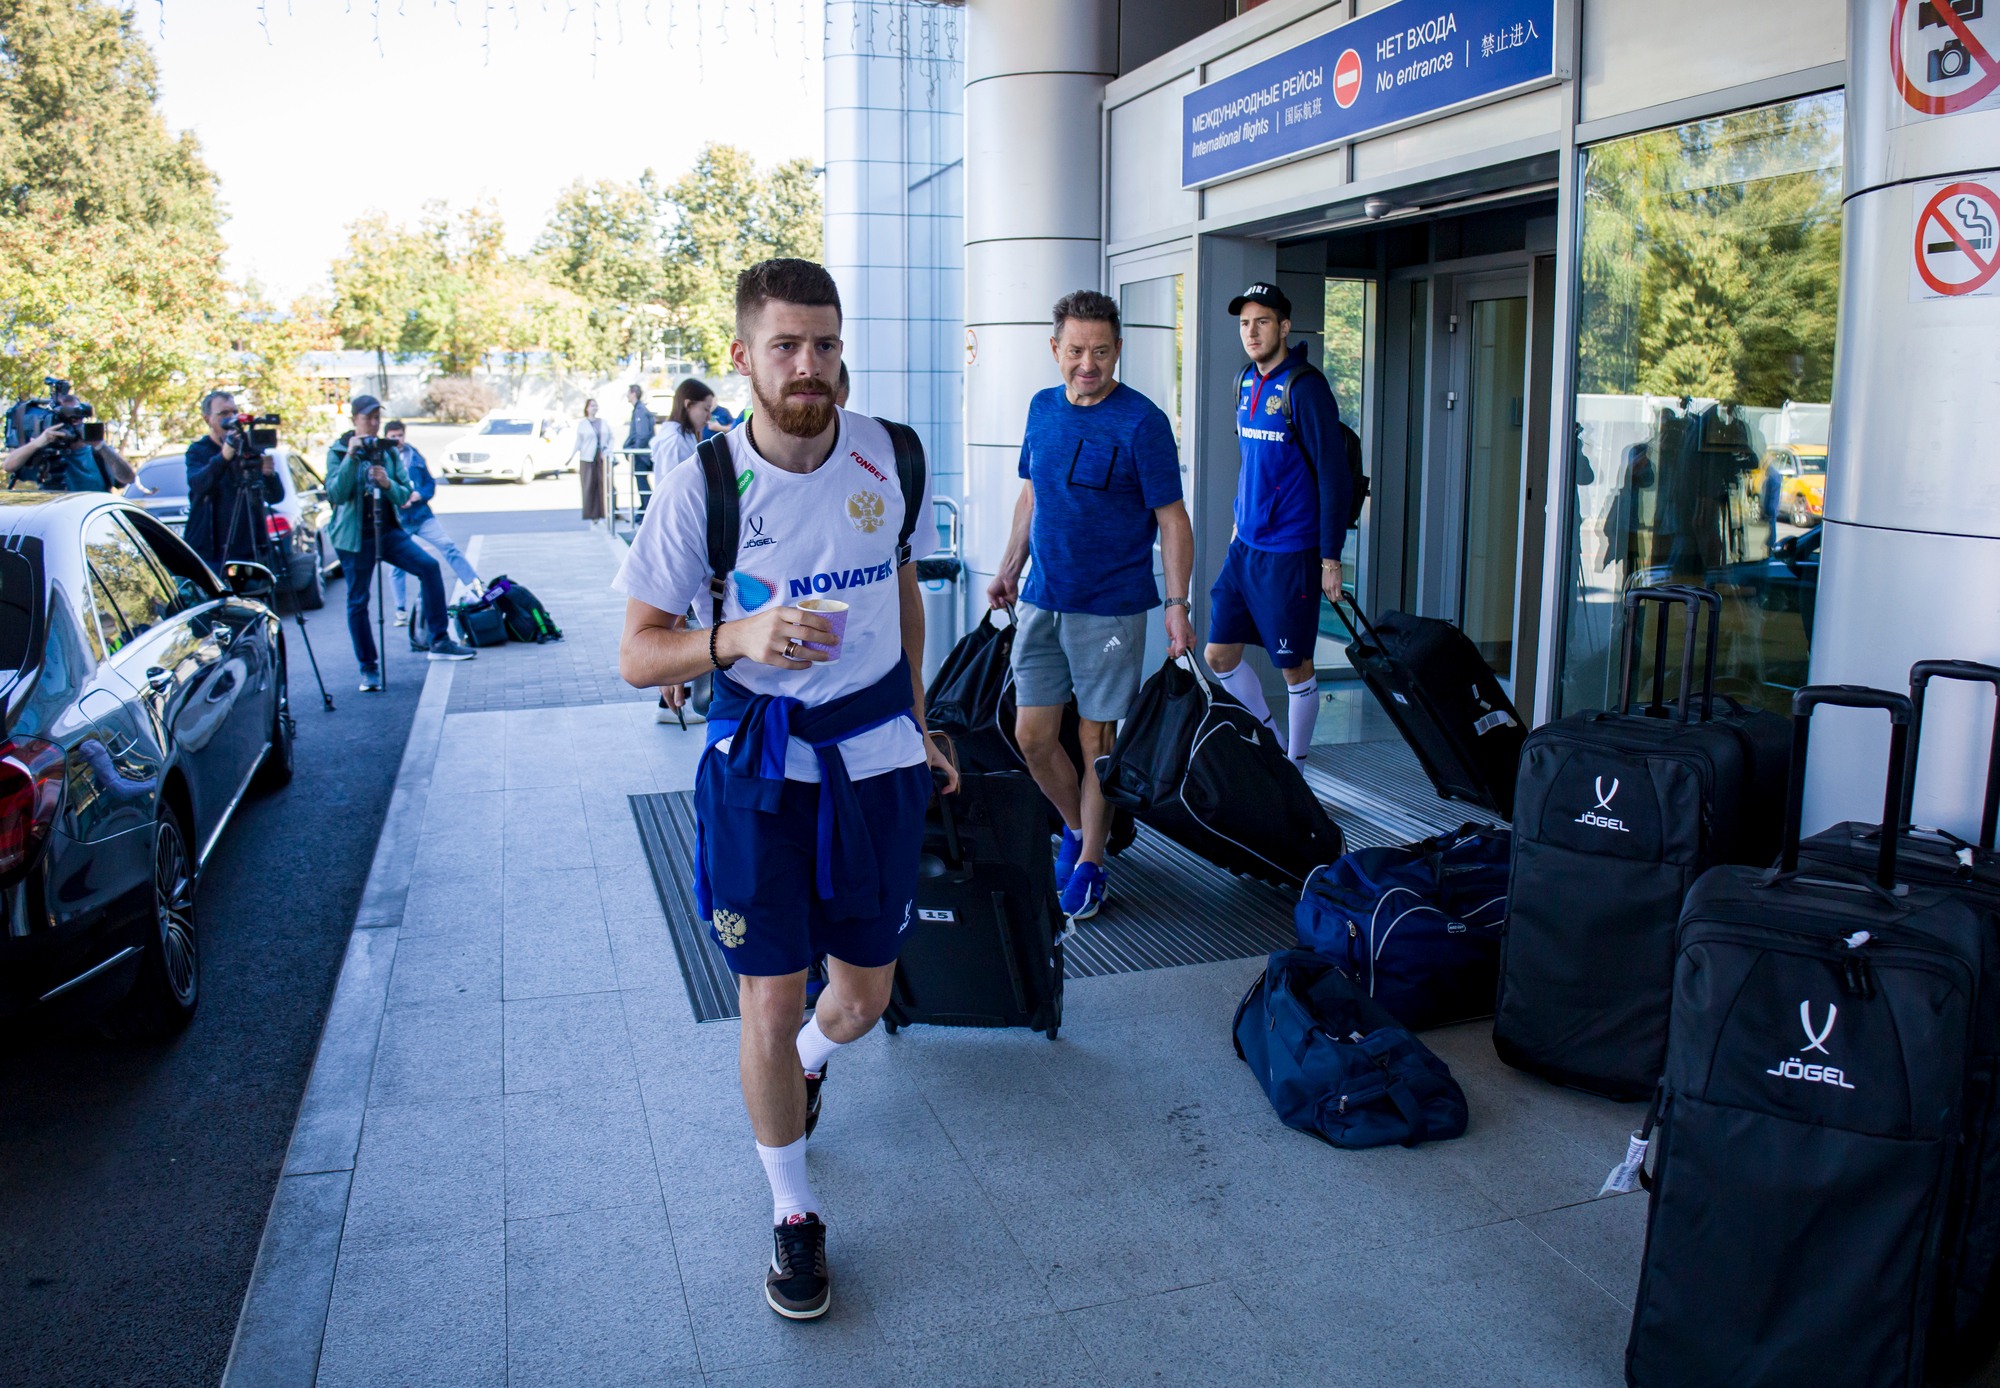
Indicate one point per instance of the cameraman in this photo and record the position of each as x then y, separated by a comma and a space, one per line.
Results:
219, 517
56, 458
368, 485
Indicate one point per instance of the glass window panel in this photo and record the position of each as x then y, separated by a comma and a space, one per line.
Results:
1150, 361
1347, 343
127, 576
1709, 269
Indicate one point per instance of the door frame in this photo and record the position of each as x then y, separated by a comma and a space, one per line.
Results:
1448, 468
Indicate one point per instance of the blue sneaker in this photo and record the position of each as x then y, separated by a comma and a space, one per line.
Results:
1085, 892
1066, 852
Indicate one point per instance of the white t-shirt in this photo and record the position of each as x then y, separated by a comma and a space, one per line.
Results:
672, 446
827, 533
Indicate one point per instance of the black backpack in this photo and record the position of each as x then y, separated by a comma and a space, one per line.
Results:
725, 503
1357, 472
526, 619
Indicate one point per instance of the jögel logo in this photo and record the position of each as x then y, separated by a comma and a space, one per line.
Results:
1792, 1068
1599, 816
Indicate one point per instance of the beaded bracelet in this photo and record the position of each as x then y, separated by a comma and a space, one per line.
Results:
713, 632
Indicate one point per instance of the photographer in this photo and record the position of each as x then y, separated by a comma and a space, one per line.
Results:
368, 485
49, 448
218, 524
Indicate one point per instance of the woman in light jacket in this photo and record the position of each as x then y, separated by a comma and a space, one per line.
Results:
593, 453
686, 424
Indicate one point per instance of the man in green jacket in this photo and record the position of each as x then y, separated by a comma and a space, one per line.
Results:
360, 469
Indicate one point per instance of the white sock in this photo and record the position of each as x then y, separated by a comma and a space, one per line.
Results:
1304, 700
1244, 687
785, 1168
815, 1046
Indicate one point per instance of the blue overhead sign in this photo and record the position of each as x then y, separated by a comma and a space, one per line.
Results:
1410, 61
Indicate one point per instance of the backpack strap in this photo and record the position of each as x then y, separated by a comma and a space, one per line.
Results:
910, 471
725, 517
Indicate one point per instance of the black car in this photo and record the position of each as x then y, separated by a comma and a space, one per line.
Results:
140, 699
294, 523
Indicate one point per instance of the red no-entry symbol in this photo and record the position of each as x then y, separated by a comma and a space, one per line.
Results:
1960, 55
1979, 247
1347, 79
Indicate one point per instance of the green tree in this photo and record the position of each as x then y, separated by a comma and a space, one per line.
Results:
79, 128
726, 216
1710, 258
110, 236
602, 245
375, 289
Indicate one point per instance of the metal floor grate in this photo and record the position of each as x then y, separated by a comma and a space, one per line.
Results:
1167, 907
1379, 794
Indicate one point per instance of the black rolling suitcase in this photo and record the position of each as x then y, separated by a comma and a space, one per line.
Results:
984, 946
1809, 1117
1196, 765
1615, 816
1966, 1324
1444, 699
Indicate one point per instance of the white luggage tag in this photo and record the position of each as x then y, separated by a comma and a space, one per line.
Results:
1624, 1177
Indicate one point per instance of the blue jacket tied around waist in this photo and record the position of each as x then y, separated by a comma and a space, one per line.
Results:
847, 875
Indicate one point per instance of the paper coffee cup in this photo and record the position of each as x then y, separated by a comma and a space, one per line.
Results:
835, 613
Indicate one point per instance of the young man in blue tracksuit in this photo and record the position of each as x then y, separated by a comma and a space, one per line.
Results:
1292, 500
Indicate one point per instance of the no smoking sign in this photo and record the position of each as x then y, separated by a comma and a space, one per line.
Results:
1955, 252
1945, 55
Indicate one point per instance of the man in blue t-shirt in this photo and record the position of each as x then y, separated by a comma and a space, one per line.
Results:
1292, 505
1103, 478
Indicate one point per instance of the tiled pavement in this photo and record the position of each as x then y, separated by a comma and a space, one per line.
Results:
571, 573
553, 1180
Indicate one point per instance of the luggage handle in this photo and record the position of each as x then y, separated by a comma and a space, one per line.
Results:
952, 846
1921, 674
1897, 706
1694, 600
1360, 627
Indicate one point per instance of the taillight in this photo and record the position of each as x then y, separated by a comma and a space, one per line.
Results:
31, 784
278, 526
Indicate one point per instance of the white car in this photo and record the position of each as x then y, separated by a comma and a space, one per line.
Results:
294, 523
511, 444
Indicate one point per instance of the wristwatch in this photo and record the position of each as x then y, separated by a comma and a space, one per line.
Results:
1177, 602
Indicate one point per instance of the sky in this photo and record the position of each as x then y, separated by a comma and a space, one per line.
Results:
314, 112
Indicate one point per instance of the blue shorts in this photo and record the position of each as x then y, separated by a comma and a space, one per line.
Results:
1268, 599
768, 920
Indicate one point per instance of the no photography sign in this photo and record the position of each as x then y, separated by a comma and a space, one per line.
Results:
1945, 55
1956, 250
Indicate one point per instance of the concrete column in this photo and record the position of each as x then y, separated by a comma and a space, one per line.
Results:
1910, 567
1034, 84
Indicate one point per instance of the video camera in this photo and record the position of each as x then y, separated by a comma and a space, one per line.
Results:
255, 435
29, 417
369, 451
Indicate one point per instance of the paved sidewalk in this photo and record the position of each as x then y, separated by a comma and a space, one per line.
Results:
571, 573
522, 1162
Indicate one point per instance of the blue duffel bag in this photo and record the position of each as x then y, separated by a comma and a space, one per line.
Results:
1418, 928
1334, 1064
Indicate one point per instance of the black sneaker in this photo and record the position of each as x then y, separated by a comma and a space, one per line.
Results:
797, 1286
813, 1082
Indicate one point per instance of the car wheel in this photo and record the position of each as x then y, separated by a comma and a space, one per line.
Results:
163, 997
312, 597
276, 768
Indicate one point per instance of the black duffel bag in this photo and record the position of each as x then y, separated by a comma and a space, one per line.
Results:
1196, 765
971, 701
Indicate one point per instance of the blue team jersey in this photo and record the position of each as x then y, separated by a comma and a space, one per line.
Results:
1283, 503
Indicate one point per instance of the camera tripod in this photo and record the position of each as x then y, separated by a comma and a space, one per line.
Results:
253, 515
